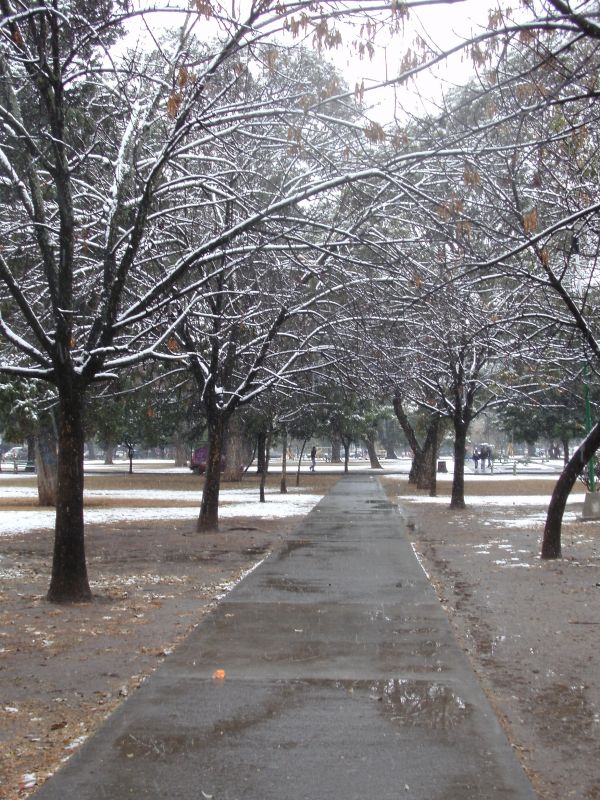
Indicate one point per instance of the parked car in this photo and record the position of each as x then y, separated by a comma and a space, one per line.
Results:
199, 459
15, 454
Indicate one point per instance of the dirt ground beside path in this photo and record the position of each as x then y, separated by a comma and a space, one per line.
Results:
63, 669
530, 628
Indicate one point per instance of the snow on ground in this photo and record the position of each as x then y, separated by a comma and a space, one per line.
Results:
244, 502
494, 500
232, 495
399, 465
533, 507
234, 503
538, 505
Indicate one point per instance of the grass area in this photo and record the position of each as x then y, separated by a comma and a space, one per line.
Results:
311, 484
191, 482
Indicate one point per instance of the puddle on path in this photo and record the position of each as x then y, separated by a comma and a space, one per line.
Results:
291, 547
287, 584
406, 703
410, 703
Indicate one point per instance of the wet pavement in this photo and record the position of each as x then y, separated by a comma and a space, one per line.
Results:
329, 673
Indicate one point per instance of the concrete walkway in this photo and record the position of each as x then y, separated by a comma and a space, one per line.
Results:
342, 682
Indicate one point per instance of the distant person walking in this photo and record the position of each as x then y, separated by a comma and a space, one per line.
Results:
475, 457
486, 456
483, 456
313, 459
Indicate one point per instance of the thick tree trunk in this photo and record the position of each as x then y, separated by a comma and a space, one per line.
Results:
433, 440
181, 454
426, 475
209, 510
416, 468
109, 452
336, 450
234, 450
69, 581
284, 446
458, 480
261, 457
551, 542
181, 450
30, 465
419, 456
565, 444
46, 464
91, 446
371, 450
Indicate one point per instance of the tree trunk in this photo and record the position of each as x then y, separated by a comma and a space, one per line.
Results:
130, 456
181, 450
418, 463
209, 510
109, 452
346, 445
416, 468
284, 446
261, 457
46, 464
234, 450
458, 478
565, 444
387, 438
181, 454
375, 464
336, 450
426, 476
263, 478
91, 446
434, 449
69, 581
551, 542
300, 462
30, 465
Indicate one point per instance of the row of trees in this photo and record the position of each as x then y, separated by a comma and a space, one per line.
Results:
228, 210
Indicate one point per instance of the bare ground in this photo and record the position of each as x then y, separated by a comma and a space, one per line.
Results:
63, 669
530, 628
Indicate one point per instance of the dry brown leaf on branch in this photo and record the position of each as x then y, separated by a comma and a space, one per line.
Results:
530, 221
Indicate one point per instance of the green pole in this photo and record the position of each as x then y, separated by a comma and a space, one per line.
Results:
588, 426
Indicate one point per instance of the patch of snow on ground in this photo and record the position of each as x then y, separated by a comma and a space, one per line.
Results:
531, 519
493, 500
239, 504
226, 495
533, 508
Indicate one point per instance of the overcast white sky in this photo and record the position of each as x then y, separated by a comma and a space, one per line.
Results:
440, 25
